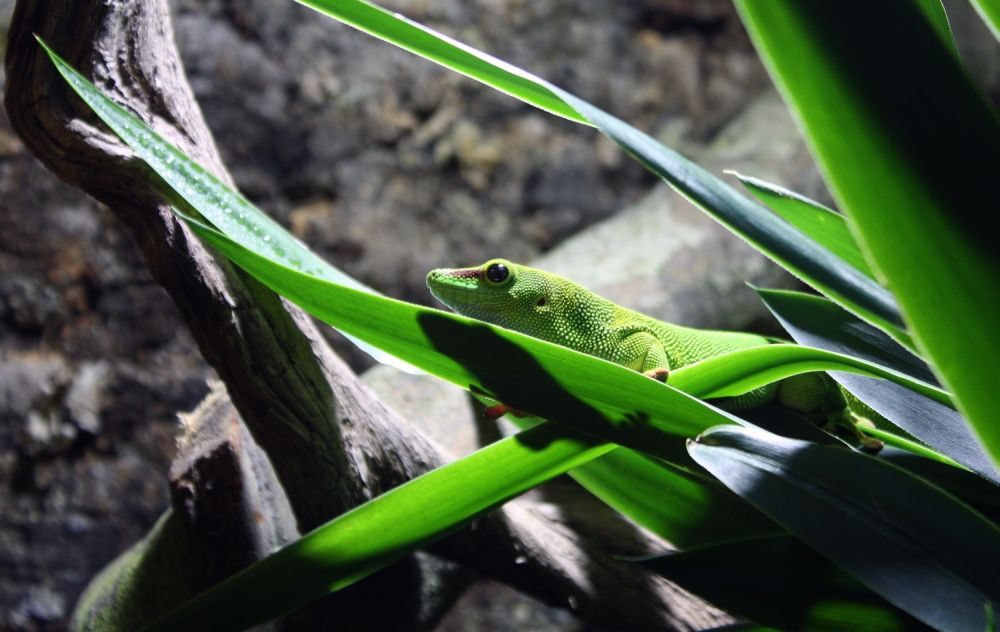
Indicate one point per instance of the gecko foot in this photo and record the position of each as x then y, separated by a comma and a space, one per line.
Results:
492, 413
858, 422
659, 374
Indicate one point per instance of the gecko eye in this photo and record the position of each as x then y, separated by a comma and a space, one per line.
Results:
497, 273
541, 302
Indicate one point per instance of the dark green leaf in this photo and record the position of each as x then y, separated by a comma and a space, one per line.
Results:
780, 582
826, 227
980, 494
817, 322
823, 324
910, 147
915, 545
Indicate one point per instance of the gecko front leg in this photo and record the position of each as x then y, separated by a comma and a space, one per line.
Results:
644, 352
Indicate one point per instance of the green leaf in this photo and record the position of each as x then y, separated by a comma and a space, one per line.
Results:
783, 243
384, 530
823, 324
828, 228
737, 372
780, 582
910, 148
977, 492
819, 323
226, 209
915, 545
989, 11
416, 38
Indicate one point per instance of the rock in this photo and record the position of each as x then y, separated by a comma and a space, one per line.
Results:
41, 604
27, 377
28, 303
85, 394
439, 409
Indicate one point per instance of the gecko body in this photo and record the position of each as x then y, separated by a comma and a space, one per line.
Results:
555, 309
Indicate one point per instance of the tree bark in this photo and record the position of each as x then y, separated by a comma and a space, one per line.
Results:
331, 443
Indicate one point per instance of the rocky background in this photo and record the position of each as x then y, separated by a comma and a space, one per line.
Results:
389, 166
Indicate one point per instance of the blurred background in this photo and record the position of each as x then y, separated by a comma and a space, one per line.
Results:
389, 166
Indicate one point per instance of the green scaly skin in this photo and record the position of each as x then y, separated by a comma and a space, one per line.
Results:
557, 310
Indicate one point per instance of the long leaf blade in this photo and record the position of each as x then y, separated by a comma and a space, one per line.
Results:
416, 38
909, 146
826, 227
912, 543
737, 372
384, 530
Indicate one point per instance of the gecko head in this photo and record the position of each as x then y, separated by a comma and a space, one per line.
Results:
497, 292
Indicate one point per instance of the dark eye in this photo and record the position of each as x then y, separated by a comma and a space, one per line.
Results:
497, 272
541, 301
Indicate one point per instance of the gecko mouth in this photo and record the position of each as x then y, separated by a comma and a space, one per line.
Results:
458, 288
452, 295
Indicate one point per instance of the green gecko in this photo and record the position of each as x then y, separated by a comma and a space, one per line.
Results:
560, 311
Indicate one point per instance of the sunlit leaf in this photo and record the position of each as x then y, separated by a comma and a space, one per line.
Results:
384, 530
552, 382
717, 376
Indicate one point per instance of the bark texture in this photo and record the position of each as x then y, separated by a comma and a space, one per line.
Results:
332, 445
